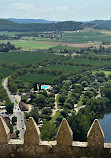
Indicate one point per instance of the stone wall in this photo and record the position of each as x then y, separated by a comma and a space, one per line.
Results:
63, 147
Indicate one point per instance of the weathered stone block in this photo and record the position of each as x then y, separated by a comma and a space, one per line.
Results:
4, 132
64, 135
95, 136
32, 133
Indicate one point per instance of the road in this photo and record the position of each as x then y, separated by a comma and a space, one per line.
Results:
16, 111
55, 107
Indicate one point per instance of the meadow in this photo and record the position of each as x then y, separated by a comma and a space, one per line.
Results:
107, 73
29, 45
38, 78
25, 57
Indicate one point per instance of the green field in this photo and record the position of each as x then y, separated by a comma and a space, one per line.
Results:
5, 72
29, 45
64, 67
107, 73
94, 36
85, 37
39, 78
25, 57
59, 47
87, 61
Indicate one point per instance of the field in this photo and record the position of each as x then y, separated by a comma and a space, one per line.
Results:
25, 57
107, 73
84, 38
61, 47
87, 37
5, 72
39, 78
87, 61
29, 45
65, 68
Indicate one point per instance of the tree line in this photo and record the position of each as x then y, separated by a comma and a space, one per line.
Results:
6, 25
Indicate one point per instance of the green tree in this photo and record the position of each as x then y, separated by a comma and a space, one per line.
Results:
62, 98
34, 114
84, 83
68, 106
47, 111
17, 133
48, 132
40, 101
9, 108
14, 120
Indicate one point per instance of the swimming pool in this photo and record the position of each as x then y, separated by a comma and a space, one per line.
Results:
44, 87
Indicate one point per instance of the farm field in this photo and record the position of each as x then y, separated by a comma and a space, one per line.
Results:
38, 78
64, 67
29, 45
85, 37
5, 72
25, 57
87, 61
60, 47
107, 73
88, 37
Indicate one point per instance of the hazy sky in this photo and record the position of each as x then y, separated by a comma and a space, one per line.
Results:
78, 10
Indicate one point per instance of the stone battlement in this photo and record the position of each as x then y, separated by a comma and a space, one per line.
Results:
63, 147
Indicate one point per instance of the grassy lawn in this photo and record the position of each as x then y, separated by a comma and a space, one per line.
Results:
39, 78
80, 101
57, 99
54, 118
25, 57
107, 73
69, 94
29, 45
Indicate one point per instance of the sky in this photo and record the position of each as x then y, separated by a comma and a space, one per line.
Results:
57, 10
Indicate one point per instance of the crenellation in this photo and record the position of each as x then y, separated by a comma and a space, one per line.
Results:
64, 135
32, 133
64, 147
4, 132
95, 136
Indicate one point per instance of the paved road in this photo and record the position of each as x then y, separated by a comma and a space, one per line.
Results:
55, 109
16, 111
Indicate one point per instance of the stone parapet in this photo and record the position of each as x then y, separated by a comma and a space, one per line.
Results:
63, 147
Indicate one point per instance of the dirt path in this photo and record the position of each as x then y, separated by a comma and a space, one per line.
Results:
77, 109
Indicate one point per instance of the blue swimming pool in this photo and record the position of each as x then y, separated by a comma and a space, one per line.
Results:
44, 87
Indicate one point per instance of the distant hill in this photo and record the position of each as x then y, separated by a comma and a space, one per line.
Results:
27, 21
7, 25
25, 26
99, 24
